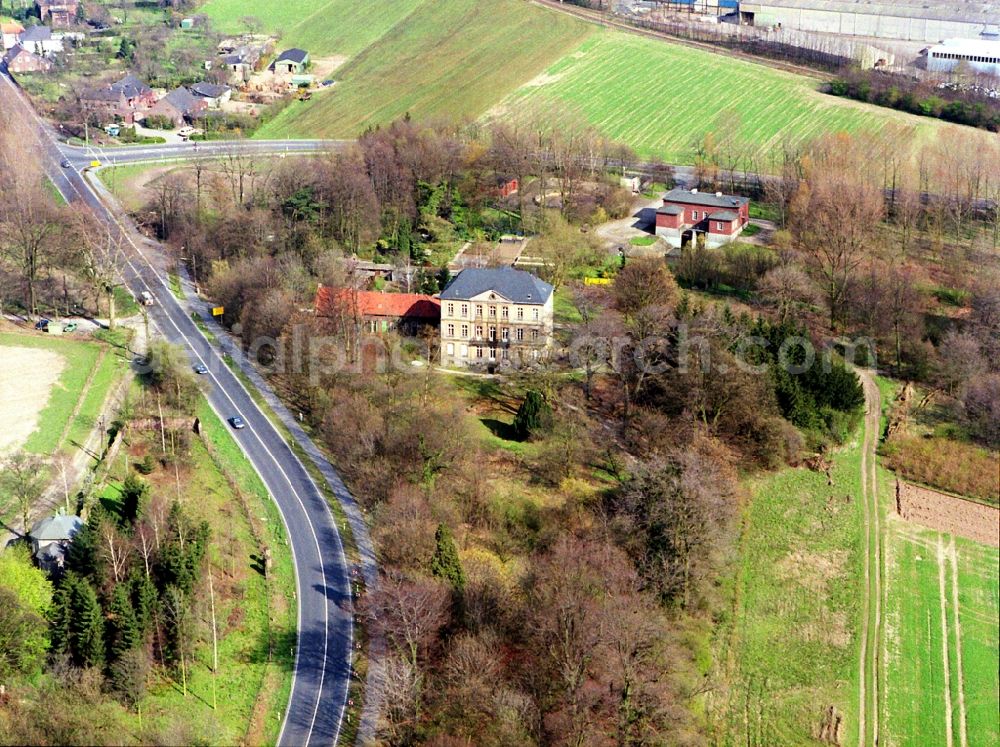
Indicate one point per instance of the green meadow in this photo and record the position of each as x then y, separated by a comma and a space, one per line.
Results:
941, 658
447, 59
324, 28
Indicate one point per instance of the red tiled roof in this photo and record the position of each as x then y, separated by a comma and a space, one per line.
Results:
377, 304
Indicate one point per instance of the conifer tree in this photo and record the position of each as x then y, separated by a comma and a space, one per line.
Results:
86, 625
534, 416
446, 564
123, 628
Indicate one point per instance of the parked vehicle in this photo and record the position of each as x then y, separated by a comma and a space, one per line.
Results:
70, 327
42, 323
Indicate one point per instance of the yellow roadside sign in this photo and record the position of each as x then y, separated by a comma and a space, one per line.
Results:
597, 281
218, 311
95, 164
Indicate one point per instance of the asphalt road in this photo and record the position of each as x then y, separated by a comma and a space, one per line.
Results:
325, 625
80, 157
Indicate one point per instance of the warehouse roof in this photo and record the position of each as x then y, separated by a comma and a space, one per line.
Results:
975, 47
971, 11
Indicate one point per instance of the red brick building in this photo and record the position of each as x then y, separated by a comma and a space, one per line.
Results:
20, 60
686, 214
505, 186
378, 312
59, 13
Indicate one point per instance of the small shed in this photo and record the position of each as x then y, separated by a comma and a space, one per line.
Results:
50, 539
291, 62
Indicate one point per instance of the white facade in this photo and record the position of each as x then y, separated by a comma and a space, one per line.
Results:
489, 329
981, 56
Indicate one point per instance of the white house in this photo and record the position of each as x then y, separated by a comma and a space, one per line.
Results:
41, 41
495, 316
10, 31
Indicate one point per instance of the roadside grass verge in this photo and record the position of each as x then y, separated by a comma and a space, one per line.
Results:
54, 193
255, 613
275, 622
790, 649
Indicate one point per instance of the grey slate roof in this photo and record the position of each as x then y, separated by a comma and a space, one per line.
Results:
182, 100
705, 199
294, 55
670, 210
36, 34
55, 528
131, 87
517, 286
726, 215
208, 90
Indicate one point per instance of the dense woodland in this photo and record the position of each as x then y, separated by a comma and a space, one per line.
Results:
554, 542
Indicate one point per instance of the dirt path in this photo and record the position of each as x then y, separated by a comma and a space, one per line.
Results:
79, 400
942, 596
963, 736
869, 695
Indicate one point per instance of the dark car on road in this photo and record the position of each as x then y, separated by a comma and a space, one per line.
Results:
200, 369
65, 163
237, 422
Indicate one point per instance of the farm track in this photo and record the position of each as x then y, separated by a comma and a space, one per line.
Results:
952, 555
601, 19
870, 695
80, 400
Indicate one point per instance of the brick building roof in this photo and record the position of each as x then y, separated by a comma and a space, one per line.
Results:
705, 199
377, 304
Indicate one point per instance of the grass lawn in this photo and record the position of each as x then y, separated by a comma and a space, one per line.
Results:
109, 368
127, 183
639, 90
563, 310
791, 647
642, 240
448, 58
927, 641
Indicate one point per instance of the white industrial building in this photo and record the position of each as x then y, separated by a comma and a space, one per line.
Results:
908, 20
981, 56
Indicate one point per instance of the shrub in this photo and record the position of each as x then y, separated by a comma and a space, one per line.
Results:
534, 416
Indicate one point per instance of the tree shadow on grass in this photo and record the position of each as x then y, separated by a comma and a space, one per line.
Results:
500, 429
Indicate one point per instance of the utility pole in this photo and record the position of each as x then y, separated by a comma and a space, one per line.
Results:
215, 639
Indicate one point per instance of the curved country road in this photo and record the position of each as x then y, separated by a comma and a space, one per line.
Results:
325, 633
